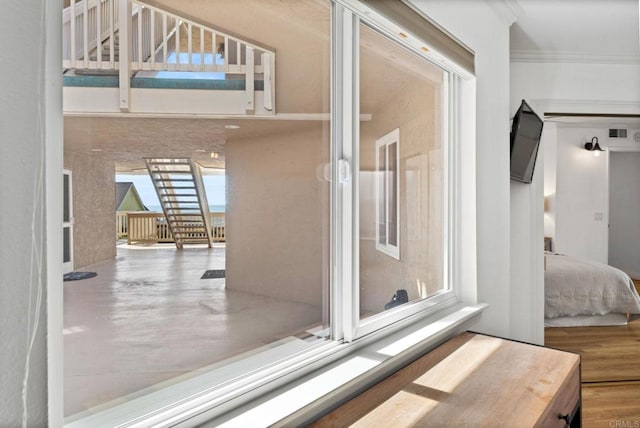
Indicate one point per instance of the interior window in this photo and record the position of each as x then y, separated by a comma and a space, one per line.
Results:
160, 311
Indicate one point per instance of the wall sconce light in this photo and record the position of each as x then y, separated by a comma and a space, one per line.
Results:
594, 147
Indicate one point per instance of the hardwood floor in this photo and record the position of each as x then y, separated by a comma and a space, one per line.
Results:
610, 371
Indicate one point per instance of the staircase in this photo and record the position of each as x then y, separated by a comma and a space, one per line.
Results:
178, 183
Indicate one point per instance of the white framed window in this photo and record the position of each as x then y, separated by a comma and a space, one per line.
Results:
387, 194
399, 200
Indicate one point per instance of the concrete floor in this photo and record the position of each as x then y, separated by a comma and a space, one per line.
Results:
148, 317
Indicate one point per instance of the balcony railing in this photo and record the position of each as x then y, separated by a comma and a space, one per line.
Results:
142, 227
128, 36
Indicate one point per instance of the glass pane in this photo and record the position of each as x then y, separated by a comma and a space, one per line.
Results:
66, 244
66, 195
399, 90
382, 195
392, 207
151, 314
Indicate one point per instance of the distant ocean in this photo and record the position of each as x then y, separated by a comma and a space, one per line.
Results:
212, 208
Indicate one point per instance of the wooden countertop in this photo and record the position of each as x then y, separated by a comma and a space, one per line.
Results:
471, 380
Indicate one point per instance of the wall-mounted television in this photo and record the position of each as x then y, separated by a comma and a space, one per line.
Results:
525, 139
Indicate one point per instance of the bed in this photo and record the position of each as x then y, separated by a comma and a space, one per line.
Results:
585, 293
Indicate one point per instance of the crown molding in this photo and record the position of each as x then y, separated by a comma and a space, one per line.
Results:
507, 10
550, 105
530, 55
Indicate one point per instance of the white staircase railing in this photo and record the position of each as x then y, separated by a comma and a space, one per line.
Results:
99, 34
85, 25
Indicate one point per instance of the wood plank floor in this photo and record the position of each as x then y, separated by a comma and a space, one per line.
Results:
610, 371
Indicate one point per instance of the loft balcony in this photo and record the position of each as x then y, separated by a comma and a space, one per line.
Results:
173, 64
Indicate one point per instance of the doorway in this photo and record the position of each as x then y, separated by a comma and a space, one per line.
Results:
624, 209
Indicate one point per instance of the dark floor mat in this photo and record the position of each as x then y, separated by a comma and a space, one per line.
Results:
75, 276
210, 274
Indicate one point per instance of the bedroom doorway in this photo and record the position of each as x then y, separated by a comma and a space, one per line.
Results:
624, 206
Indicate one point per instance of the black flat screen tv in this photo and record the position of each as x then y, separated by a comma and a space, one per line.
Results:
525, 139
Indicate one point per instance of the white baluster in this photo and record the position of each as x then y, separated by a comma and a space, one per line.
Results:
99, 34
112, 25
226, 53
140, 23
201, 48
152, 41
164, 40
72, 23
85, 31
190, 45
177, 45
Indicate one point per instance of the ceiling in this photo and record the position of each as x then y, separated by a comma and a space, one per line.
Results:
593, 31
584, 30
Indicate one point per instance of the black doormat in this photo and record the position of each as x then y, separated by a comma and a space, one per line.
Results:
213, 274
74, 276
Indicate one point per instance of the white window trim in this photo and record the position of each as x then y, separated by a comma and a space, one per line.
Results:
386, 141
180, 409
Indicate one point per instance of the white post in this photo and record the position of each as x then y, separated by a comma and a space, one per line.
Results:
124, 18
268, 87
249, 80
85, 31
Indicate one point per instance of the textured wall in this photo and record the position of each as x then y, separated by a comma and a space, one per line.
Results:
23, 356
419, 269
277, 215
94, 215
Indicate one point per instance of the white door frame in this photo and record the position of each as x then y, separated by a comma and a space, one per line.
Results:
67, 223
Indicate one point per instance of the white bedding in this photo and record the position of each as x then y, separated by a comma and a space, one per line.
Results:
575, 287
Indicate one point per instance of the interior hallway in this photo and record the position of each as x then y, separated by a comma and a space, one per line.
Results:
148, 317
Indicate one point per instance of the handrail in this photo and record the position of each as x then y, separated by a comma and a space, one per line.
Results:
84, 27
210, 43
157, 40
144, 227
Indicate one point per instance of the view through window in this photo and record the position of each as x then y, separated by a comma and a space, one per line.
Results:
402, 187
155, 314
226, 243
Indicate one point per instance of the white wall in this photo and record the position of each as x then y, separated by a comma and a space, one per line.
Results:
548, 146
581, 195
577, 87
30, 113
485, 28
624, 234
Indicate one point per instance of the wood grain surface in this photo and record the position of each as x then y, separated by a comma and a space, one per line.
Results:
471, 380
